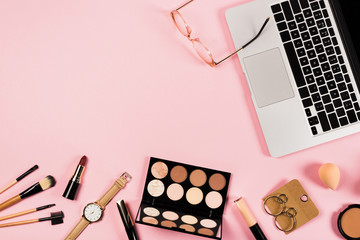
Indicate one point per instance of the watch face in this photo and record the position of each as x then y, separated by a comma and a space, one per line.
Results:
93, 212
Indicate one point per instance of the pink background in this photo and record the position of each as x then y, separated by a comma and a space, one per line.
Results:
114, 80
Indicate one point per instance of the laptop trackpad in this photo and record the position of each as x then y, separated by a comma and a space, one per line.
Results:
268, 77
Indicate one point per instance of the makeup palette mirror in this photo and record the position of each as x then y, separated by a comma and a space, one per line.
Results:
184, 198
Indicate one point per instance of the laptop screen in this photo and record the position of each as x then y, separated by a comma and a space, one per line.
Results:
351, 14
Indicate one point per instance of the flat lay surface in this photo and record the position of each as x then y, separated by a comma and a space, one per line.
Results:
117, 82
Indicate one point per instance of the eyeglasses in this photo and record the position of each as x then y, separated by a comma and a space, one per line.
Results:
199, 47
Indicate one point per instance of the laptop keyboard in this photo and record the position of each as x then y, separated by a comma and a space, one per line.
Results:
317, 63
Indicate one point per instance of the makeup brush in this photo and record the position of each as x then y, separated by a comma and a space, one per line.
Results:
26, 212
40, 186
55, 218
19, 178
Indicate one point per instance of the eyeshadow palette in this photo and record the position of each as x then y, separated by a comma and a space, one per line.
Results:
184, 198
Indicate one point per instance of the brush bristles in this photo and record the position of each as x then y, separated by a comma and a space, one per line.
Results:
47, 182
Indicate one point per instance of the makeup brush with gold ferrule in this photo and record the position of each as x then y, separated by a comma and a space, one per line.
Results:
40, 186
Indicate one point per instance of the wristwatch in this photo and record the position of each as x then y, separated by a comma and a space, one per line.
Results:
93, 212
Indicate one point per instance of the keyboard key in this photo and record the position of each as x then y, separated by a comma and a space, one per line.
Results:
307, 70
320, 24
317, 14
308, 112
331, 32
347, 79
328, 76
325, 13
292, 25
356, 106
344, 69
302, 27
323, 90
315, 97
313, 31
337, 50
352, 116
328, 22
285, 36
304, 92
287, 11
299, 18
324, 121
310, 79
294, 63
313, 121
325, 67
326, 98
304, 4
304, 61
353, 97
320, 81
322, 3
322, 58
324, 32
335, 68
313, 88
339, 77
333, 121
315, 6
279, 17
282, 26
326, 41
319, 106
305, 36
308, 45
319, 49
295, 6
329, 50
329, 108
316, 40
341, 59
307, 13
343, 121
311, 54
331, 85
334, 94
310, 22
345, 96
337, 103
317, 72
340, 112
314, 63
307, 102
341, 86
314, 131
298, 43
333, 59
301, 52
295, 34
276, 8
348, 104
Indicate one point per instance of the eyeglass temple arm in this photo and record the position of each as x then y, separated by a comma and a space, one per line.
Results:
248, 43
184, 5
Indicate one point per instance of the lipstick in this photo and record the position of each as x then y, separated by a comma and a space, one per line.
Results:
74, 182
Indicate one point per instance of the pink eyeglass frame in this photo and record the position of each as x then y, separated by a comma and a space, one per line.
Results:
212, 62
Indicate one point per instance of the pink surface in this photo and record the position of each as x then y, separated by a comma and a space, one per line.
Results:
114, 80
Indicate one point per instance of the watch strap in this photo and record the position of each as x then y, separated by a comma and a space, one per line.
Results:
110, 194
80, 226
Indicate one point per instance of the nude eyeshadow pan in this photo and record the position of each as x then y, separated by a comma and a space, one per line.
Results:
349, 222
184, 198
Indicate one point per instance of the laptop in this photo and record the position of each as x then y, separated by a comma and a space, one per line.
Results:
302, 71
